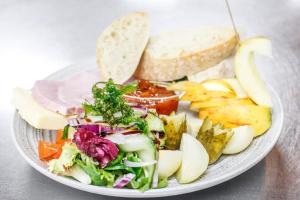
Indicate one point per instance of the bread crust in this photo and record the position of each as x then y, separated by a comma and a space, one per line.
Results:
185, 65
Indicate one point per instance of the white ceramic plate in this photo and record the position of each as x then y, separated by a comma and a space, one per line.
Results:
228, 167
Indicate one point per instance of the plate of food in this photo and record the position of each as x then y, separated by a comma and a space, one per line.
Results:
153, 116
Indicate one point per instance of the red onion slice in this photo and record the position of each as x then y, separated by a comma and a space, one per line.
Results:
122, 181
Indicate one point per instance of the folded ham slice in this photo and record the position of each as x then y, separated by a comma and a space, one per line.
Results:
66, 97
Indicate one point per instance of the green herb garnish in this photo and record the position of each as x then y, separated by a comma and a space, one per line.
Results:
110, 104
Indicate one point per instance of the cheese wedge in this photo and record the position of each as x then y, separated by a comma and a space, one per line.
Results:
35, 114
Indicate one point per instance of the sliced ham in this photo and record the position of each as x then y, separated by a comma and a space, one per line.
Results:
45, 93
78, 88
65, 97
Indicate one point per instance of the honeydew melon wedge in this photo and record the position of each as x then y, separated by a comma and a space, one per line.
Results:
246, 72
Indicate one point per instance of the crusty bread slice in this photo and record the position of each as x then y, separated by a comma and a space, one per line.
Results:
121, 45
173, 55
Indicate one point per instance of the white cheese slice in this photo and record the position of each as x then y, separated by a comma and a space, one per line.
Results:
35, 114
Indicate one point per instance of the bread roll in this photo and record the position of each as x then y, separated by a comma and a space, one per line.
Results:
121, 45
173, 55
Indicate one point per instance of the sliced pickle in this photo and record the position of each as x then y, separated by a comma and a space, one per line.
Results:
175, 126
214, 139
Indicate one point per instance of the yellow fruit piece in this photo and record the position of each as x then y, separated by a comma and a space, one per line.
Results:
194, 96
205, 95
217, 85
258, 117
215, 102
203, 91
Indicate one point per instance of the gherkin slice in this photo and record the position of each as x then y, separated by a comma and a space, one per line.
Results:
214, 139
175, 126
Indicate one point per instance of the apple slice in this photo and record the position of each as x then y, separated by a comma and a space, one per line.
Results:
168, 162
194, 159
240, 140
246, 72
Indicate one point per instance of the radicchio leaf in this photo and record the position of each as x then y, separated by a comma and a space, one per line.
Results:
95, 146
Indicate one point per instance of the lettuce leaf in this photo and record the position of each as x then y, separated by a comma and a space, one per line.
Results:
162, 183
66, 159
65, 164
141, 183
79, 174
85, 169
98, 176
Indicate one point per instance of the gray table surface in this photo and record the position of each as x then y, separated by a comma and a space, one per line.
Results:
39, 37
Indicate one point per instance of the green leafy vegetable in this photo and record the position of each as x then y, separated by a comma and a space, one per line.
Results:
79, 174
66, 159
141, 183
117, 166
66, 164
99, 176
129, 88
133, 157
65, 132
118, 159
162, 183
110, 104
76, 164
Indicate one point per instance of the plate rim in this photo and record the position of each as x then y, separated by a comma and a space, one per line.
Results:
177, 190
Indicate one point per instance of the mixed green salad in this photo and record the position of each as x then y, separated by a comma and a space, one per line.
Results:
113, 143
